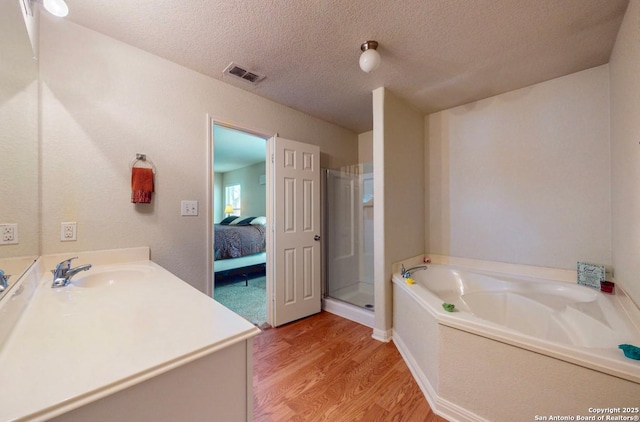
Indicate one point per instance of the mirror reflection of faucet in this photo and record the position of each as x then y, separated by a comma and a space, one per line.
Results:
4, 281
63, 272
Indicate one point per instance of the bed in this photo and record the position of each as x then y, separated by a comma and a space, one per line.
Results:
239, 245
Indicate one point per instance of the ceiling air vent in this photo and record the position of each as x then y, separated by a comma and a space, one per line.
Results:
241, 72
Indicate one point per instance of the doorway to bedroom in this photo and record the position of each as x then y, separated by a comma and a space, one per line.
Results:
239, 203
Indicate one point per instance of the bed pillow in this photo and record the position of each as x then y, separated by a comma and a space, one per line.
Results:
242, 221
259, 221
228, 220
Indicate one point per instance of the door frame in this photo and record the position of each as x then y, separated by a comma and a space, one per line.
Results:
211, 122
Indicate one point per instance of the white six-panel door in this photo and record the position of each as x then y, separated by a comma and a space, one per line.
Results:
296, 240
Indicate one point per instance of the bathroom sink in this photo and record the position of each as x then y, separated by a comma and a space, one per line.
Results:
109, 278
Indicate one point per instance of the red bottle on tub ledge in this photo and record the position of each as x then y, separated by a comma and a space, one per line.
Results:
607, 286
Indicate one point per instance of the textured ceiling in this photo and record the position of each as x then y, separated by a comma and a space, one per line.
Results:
436, 54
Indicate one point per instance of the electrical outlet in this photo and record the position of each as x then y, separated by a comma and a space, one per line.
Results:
68, 232
8, 234
189, 208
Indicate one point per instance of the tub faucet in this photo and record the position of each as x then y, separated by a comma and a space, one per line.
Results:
406, 273
63, 272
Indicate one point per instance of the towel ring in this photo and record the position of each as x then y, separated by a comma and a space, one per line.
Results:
143, 158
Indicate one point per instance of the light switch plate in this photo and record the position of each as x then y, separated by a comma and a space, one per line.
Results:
189, 208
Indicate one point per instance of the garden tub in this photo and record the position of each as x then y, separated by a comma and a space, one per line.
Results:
514, 345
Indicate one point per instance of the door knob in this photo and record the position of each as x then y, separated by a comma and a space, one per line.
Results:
316, 238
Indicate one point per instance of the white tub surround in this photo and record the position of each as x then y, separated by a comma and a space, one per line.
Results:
126, 340
517, 332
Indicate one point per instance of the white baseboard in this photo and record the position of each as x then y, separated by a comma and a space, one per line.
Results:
382, 335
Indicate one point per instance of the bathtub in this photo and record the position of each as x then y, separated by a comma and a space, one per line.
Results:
515, 346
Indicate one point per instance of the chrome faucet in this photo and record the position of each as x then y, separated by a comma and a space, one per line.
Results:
4, 281
63, 272
406, 273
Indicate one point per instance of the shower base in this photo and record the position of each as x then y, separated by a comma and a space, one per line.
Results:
358, 294
354, 302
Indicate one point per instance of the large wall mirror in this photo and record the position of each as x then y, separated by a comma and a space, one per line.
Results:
19, 161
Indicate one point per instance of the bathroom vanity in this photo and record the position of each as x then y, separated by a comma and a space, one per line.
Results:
125, 341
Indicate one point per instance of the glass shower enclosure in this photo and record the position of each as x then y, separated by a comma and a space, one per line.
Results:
349, 235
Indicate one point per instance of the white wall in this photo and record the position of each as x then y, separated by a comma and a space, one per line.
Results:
524, 177
365, 147
253, 195
103, 101
625, 152
398, 151
18, 133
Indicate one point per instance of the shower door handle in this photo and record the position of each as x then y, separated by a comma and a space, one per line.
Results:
316, 238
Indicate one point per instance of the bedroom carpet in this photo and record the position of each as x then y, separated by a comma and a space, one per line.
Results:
249, 301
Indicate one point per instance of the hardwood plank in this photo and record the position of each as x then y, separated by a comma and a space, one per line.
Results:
374, 414
297, 356
327, 368
288, 385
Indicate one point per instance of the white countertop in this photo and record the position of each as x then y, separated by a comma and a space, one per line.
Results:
74, 345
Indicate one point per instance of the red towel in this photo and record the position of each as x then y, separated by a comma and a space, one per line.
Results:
141, 185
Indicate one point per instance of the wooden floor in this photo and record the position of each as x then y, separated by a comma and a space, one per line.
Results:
327, 368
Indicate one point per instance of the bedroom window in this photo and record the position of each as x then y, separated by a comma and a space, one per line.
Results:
232, 197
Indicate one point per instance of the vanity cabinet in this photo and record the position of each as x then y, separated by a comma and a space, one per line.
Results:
216, 387
124, 341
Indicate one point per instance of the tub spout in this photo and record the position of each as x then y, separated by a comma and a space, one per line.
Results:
406, 273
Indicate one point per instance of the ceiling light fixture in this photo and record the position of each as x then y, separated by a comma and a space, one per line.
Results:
370, 58
56, 7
